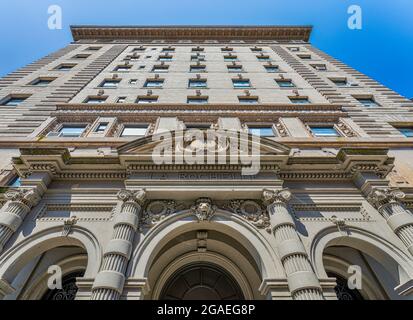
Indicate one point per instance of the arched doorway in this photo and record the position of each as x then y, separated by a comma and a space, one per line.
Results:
342, 289
68, 290
201, 282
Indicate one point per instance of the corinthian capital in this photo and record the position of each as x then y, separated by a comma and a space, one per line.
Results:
380, 197
270, 196
138, 196
27, 196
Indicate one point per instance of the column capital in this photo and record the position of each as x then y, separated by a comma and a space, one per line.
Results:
138, 196
270, 196
29, 197
382, 196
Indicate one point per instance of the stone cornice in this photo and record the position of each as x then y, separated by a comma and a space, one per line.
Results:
193, 33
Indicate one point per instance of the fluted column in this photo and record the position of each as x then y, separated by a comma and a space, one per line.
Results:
18, 205
302, 281
110, 280
388, 202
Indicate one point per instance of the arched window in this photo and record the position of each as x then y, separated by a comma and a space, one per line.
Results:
69, 288
343, 291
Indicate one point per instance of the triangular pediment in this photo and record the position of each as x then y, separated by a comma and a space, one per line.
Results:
147, 145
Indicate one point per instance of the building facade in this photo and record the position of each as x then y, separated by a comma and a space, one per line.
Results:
327, 207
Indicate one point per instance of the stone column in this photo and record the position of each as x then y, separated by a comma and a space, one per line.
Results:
18, 205
388, 202
302, 280
110, 280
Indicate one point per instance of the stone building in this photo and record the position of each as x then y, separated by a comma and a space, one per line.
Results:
83, 196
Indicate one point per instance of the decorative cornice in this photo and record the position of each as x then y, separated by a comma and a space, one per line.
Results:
194, 33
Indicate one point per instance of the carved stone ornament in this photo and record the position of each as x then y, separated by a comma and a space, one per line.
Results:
138, 196
68, 225
158, 210
28, 197
380, 197
251, 211
271, 196
203, 209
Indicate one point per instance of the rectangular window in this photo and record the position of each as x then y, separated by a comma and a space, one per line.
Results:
165, 58
272, 69
153, 84
95, 100
248, 100
71, 131
133, 81
234, 68
197, 49
256, 49
147, 99
305, 56
123, 68
138, 49
160, 69
65, 67
168, 50
340, 82
319, 67
294, 49
324, 131
368, 102
42, 82
81, 56
241, 83
101, 127
227, 49
263, 58
198, 57
94, 48
131, 131
197, 69
299, 100
407, 132
110, 84
197, 83
230, 58
285, 83
197, 100
261, 131
13, 101
121, 100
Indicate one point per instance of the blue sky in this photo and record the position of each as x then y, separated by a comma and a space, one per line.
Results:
382, 49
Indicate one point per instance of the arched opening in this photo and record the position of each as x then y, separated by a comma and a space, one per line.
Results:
342, 289
201, 281
68, 288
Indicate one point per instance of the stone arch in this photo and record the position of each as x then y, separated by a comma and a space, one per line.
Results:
393, 259
15, 258
224, 222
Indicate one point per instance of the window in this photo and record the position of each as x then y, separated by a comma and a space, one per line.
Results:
165, 58
324, 131
272, 69
168, 50
13, 101
197, 57
65, 67
263, 58
256, 49
241, 83
294, 49
285, 83
197, 68
133, 81
160, 69
95, 100
319, 67
123, 68
197, 100
42, 82
197, 49
81, 56
248, 100
147, 99
261, 131
131, 131
138, 49
234, 68
406, 131
299, 100
72, 131
197, 83
227, 49
230, 58
368, 102
153, 84
340, 82
110, 84
101, 127
93, 48
15, 182
305, 56
121, 100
